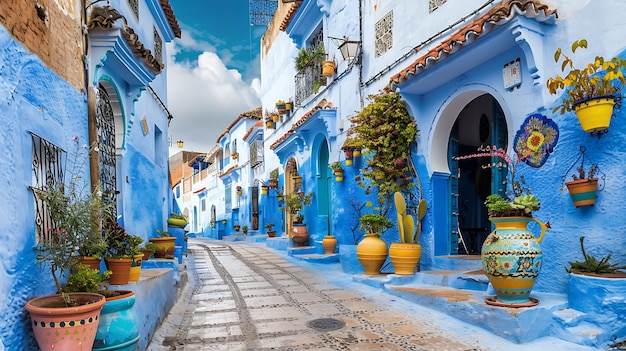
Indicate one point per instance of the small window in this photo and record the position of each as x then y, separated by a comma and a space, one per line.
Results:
203, 205
48, 168
158, 47
384, 34
256, 153
134, 5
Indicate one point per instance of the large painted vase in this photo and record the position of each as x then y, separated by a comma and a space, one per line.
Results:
511, 257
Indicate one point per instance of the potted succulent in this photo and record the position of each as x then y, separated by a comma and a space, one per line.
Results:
405, 255
337, 171
590, 91
270, 230
148, 249
372, 250
511, 248
597, 287
583, 186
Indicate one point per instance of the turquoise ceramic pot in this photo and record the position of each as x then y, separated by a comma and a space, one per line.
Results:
118, 329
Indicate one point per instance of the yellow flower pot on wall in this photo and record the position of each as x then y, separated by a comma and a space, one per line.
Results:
595, 114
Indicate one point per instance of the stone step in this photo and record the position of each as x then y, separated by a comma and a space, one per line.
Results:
468, 280
520, 325
318, 258
458, 262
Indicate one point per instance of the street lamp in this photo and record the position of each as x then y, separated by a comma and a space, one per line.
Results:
349, 49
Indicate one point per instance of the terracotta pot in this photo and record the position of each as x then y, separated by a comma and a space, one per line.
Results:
93, 263
405, 257
372, 253
65, 328
120, 270
147, 254
165, 246
329, 243
300, 235
595, 114
271, 233
511, 258
583, 191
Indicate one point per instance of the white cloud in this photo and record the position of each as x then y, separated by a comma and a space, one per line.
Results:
205, 99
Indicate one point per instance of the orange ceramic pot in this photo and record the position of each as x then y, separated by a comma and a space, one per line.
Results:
372, 253
120, 270
405, 257
329, 243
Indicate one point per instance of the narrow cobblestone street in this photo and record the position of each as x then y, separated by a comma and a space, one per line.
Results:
243, 296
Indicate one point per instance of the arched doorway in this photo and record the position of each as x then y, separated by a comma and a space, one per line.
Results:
481, 122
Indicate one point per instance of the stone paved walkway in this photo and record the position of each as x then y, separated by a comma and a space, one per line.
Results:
243, 296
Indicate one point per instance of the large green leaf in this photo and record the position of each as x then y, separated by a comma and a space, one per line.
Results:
409, 228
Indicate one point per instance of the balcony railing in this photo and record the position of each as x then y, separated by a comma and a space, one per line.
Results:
309, 79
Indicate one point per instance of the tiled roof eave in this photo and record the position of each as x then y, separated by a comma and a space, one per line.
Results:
497, 16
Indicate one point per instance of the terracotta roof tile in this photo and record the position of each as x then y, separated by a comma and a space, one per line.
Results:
289, 16
498, 15
321, 105
255, 126
257, 113
171, 19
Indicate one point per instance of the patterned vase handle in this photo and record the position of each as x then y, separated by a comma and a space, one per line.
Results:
543, 229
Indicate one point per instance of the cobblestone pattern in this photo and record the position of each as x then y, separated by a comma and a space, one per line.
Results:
247, 297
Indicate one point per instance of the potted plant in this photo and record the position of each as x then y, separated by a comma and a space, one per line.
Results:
281, 107
177, 220
274, 178
294, 203
244, 230
264, 189
337, 171
328, 68
75, 216
590, 91
234, 155
405, 255
372, 251
270, 230
148, 249
596, 286
121, 252
584, 184
511, 255
165, 245
236, 227
239, 191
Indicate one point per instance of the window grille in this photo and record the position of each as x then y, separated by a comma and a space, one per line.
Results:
256, 153
384, 34
309, 79
48, 163
233, 147
158, 47
228, 198
435, 4
105, 129
134, 5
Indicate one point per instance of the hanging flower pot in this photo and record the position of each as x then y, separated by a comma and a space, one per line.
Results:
234, 156
279, 198
595, 114
583, 191
356, 153
349, 153
264, 189
273, 183
328, 68
338, 176
276, 118
269, 124
289, 105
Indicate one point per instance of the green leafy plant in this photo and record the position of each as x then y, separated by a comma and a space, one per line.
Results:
120, 243
591, 264
596, 79
384, 130
295, 202
85, 279
244, 229
336, 166
373, 223
149, 246
274, 174
76, 215
269, 226
163, 234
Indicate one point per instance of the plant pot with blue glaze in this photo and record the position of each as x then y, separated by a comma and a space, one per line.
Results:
118, 328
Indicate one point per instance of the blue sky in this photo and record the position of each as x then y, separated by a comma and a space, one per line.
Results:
213, 70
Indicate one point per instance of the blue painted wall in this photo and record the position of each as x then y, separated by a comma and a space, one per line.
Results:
32, 99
